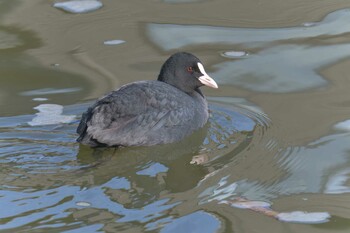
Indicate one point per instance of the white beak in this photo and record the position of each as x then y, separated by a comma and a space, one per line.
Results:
206, 79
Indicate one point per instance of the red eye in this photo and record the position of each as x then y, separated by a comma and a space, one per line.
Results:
190, 69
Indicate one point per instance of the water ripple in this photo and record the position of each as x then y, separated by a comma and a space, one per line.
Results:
50, 177
171, 36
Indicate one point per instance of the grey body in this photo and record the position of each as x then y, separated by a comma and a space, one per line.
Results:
148, 113
143, 113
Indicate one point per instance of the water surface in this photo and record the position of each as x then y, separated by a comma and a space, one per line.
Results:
274, 153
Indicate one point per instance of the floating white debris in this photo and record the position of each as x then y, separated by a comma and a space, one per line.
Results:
113, 42
250, 204
309, 24
344, 125
50, 114
83, 204
304, 217
234, 54
79, 6
40, 99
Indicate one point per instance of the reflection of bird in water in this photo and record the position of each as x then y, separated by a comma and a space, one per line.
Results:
150, 170
212, 147
148, 113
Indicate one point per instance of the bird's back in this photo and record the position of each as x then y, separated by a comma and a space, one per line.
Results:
142, 113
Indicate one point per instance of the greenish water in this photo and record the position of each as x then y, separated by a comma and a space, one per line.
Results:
277, 140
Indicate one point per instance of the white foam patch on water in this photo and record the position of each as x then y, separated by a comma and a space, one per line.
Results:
234, 54
83, 204
40, 99
344, 125
113, 42
304, 217
50, 114
79, 6
250, 204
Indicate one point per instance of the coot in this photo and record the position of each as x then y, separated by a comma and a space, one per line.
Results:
147, 113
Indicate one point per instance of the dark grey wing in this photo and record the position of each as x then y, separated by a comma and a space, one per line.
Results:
85, 137
143, 113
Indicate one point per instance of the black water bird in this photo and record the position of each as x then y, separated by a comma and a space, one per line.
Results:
147, 113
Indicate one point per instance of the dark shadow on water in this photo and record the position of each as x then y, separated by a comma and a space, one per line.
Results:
170, 168
23, 40
174, 172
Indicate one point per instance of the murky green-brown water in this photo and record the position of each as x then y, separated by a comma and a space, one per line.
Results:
278, 136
